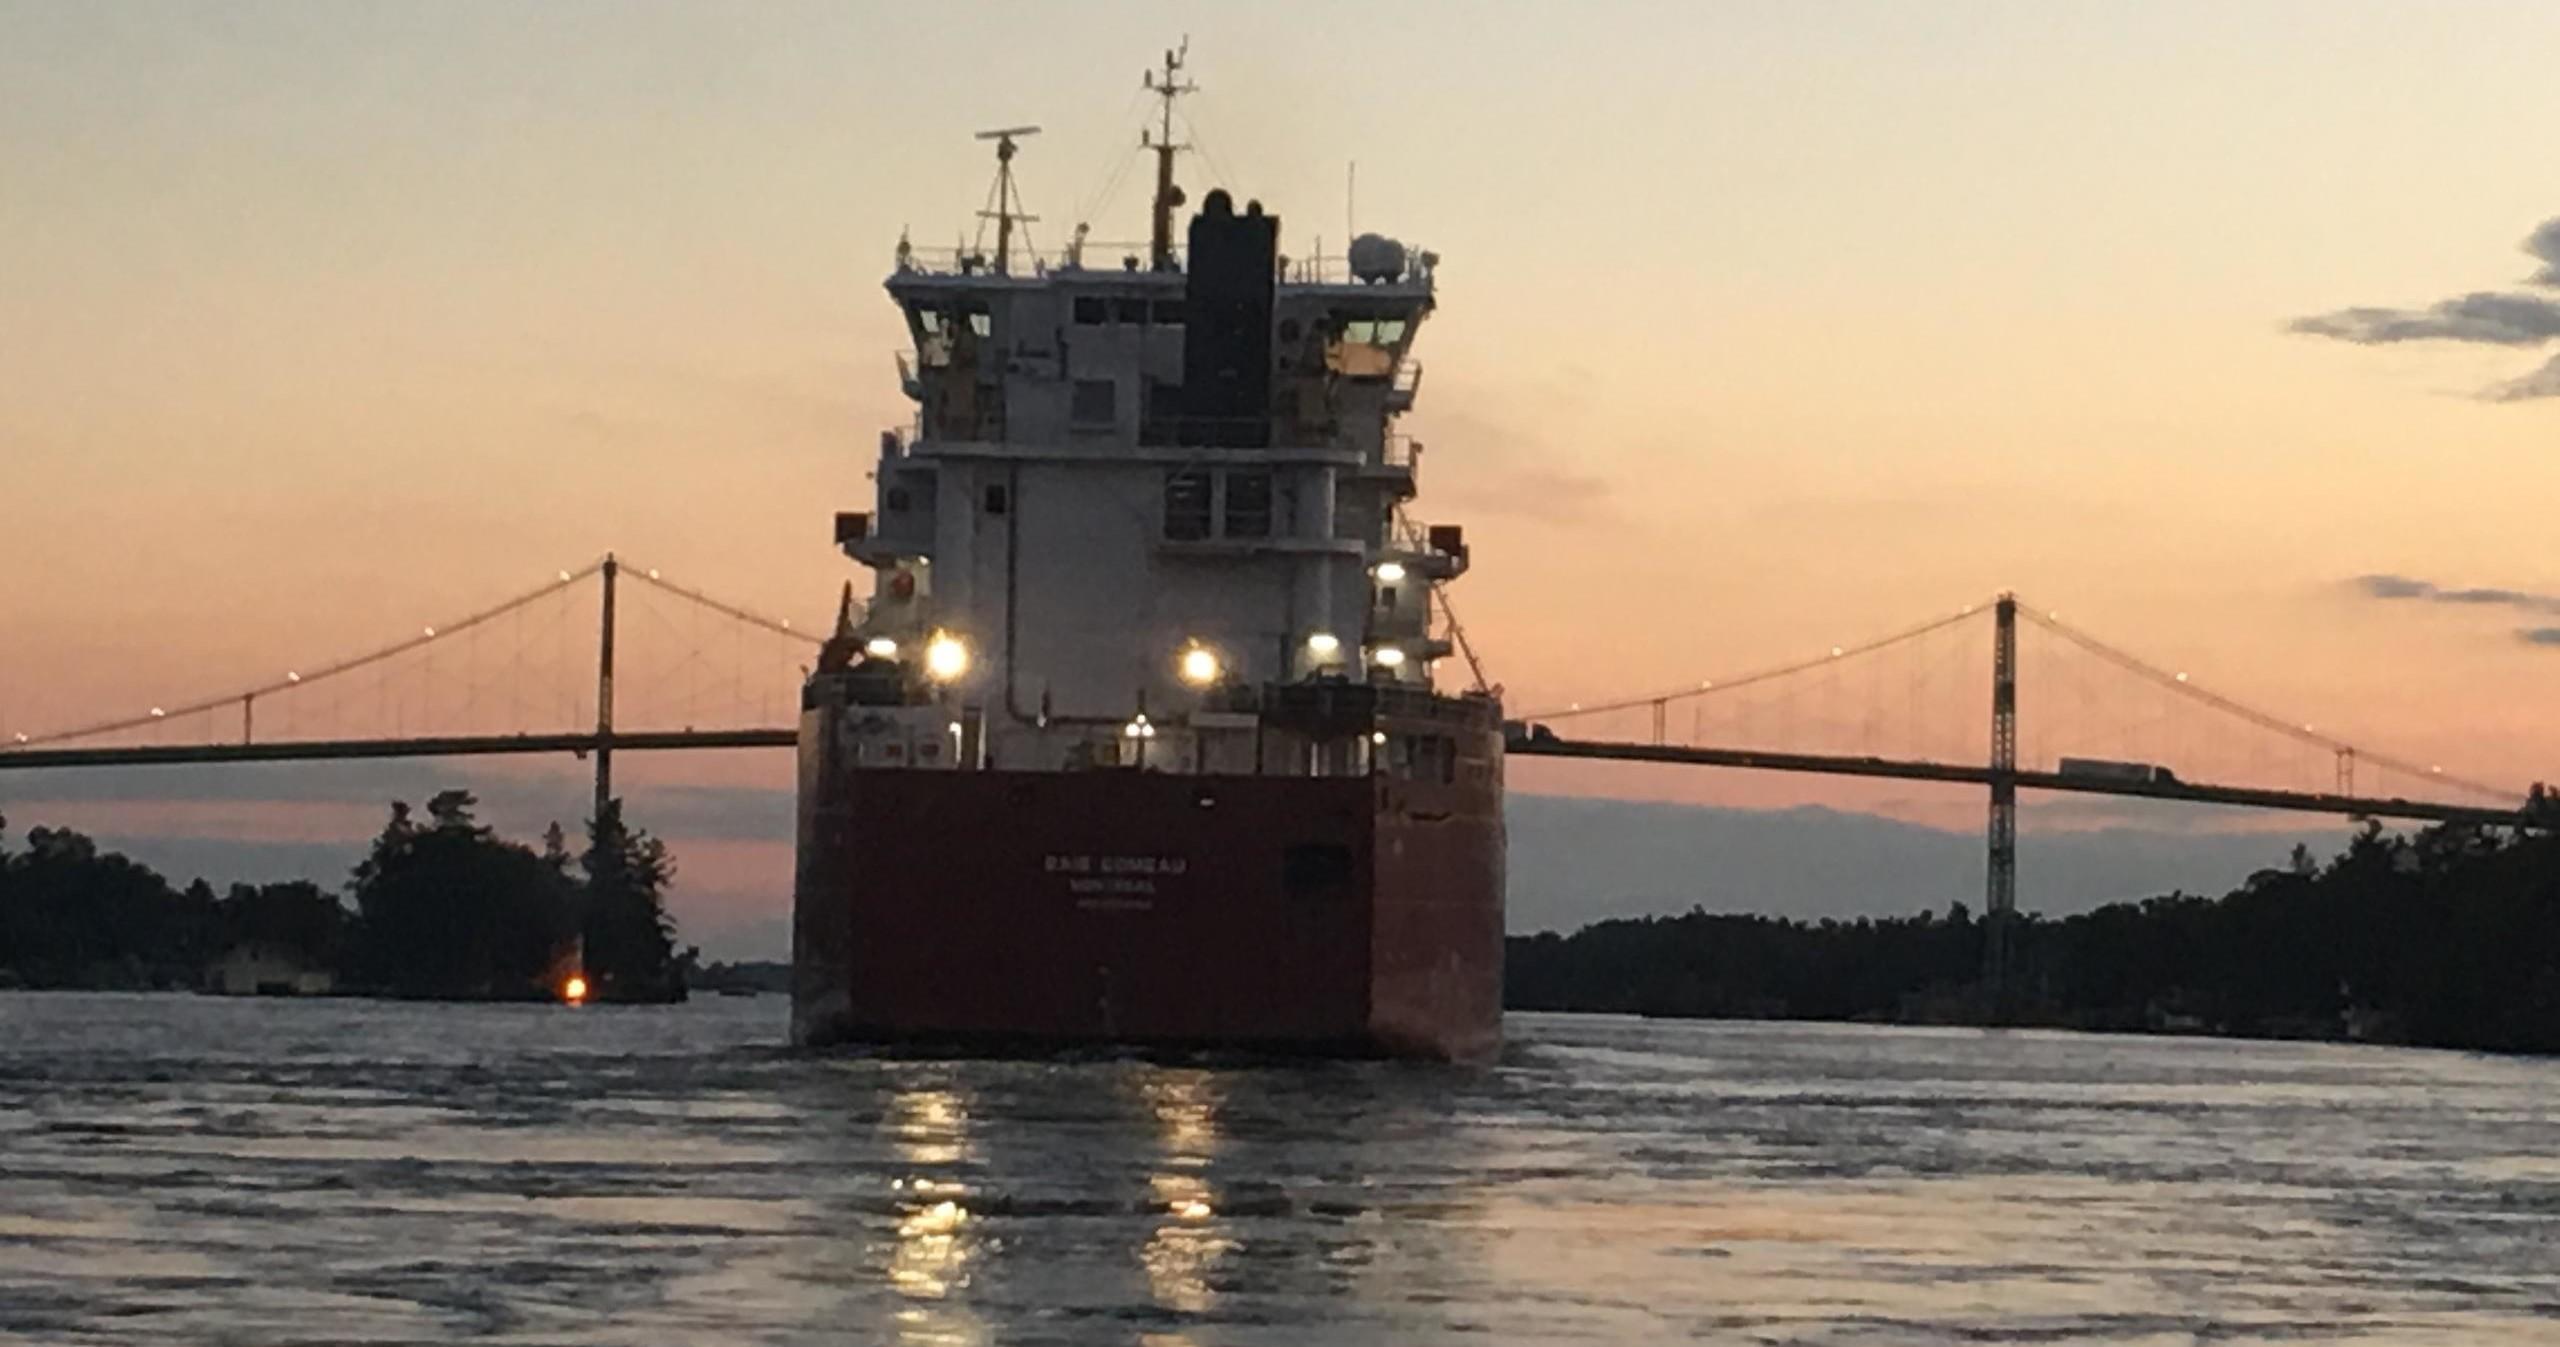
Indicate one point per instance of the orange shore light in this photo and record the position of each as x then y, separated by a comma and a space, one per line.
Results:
574, 991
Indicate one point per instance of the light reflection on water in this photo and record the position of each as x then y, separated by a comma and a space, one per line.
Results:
175, 1169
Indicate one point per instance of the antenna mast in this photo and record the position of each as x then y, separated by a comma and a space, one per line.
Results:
1167, 87
1007, 197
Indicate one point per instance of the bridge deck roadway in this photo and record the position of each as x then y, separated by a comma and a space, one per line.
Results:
458, 746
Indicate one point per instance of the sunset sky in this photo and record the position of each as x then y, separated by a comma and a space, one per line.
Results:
1763, 328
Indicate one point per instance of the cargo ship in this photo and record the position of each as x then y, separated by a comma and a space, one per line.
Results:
1138, 739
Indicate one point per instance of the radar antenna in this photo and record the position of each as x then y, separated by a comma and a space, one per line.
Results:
1169, 86
1008, 199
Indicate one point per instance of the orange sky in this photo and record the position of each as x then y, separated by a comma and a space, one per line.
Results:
1763, 327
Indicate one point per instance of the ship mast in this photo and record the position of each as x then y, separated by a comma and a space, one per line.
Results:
1008, 198
1168, 87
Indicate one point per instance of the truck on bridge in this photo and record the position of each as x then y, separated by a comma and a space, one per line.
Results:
2108, 769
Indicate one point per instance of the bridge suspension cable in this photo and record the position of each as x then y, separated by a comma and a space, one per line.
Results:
297, 679
2180, 683
429, 638
778, 626
1713, 686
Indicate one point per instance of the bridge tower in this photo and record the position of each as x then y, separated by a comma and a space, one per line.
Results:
604, 692
2001, 873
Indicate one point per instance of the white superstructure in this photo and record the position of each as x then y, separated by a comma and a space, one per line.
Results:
1134, 481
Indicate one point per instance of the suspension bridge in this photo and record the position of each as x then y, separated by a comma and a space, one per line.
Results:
617, 658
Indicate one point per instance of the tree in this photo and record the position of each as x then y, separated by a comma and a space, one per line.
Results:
453, 910
296, 915
73, 916
630, 947
2448, 937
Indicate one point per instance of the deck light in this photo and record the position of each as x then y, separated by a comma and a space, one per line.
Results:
1390, 571
1389, 657
945, 658
880, 647
1324, 645
1200, 666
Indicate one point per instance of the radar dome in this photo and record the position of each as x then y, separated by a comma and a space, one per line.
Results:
1375, 257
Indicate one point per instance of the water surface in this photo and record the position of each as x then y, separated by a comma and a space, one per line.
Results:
177, 1169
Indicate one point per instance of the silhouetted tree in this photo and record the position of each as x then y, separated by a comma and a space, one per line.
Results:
295, 915
442, 908
2450, 936
74, 916
630, 950
451, 909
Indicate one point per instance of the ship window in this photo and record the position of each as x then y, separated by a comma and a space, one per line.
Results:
982, 324
1091, 310
1390, 331
1128, 310
998, 501
1186, 504
1386, 596
929, 321
1248, 505
1425, 757
1096, 403
1169, 311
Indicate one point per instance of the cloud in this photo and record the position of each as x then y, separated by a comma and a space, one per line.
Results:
2481, 318
2542, 383
2487, 317
2395, 587
2409, 588
2543, 244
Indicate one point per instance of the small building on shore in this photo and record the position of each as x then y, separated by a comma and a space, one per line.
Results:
261, 968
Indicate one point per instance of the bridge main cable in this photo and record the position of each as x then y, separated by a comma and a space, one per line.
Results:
1713, 686
778, 626
293, 680
2181, 684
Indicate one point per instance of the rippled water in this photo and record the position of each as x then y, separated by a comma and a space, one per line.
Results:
182, 1169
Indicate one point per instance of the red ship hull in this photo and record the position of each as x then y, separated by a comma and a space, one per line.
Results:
1340, 914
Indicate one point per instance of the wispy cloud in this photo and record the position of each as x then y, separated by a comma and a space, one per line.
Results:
2488, 317
2502, 318
2409, 588
2542, 383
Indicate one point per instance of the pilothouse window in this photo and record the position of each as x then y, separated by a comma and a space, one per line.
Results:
1364, 347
